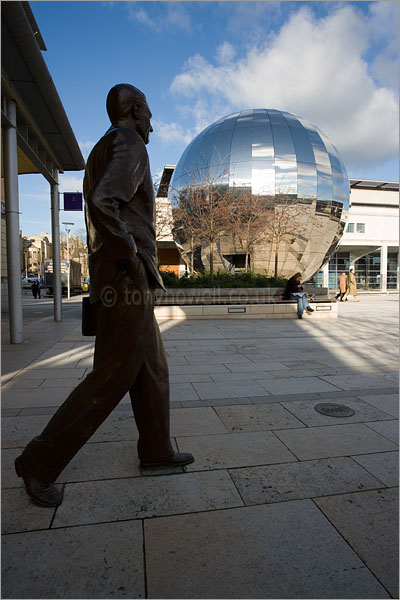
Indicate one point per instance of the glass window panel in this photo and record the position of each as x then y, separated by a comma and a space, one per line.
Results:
260, 115
241, 144
302, 144
337, 186
262, 143
240, 175
306, 180
320, 152
263, 177
245, 119
350, 228
392, 270
222, 147
285, 177
324, 183
213, 176
205, 149
283, 143
292, 120
229, 122
276, 118
360, 227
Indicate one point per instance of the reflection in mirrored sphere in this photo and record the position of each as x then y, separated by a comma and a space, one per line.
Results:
277, 157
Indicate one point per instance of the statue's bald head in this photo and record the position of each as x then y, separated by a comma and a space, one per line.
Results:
120, 100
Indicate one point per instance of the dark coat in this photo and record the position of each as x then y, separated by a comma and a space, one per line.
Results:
292, 287
119, 208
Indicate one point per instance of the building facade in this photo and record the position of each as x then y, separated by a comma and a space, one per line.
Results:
370, 243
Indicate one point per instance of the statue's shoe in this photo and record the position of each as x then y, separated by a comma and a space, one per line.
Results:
42, 493
179, 459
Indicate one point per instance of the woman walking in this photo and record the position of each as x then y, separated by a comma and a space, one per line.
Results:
352, 286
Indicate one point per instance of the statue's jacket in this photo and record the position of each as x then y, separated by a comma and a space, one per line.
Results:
119, 208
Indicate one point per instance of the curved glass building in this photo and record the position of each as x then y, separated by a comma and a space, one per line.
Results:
277, 155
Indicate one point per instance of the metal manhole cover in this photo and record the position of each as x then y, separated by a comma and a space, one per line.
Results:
334, 410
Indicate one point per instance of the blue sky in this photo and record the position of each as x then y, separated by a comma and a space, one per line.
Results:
333, 63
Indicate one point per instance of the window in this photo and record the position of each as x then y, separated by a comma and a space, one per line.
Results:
350, 228
360, 227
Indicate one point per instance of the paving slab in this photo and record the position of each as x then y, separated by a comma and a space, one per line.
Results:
145, 497
383, 465
305, 411
227, 389
118, 427
195, 421
334, 440
368, 521
248, 367
285, 550
9, 477
293, 481
56, 373
182, 391
296, 385
213, 358
386, 402
22, 384
36, 397
358, 381
104, 460
389, 429
60, 383
234, 450
198, 368
19, 514
189, 378
16, 432
96, 561
261, 417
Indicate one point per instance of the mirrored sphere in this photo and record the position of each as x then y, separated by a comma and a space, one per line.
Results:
278, 155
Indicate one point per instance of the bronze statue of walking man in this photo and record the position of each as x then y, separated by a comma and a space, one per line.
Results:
129, 352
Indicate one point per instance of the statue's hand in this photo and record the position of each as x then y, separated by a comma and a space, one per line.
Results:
133, 265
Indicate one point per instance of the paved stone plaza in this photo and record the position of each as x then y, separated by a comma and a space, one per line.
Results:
281, 501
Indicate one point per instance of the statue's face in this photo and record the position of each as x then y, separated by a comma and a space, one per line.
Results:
143, 124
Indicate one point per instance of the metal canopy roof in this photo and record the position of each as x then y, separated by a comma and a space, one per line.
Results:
27, 81
367, 184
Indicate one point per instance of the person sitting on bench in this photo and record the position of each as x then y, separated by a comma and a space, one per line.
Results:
294, 291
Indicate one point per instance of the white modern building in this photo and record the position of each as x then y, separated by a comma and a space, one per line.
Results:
370, 243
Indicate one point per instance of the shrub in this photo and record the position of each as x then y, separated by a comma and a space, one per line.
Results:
222, 280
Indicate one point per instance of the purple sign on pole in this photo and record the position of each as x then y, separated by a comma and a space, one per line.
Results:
72, 200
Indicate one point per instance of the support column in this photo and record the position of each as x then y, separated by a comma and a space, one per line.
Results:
325, 276
12, 226
55, 238
384, 253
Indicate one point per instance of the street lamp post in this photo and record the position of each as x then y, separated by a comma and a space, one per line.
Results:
68, 259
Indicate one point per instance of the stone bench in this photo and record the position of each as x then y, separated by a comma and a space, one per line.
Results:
273, 309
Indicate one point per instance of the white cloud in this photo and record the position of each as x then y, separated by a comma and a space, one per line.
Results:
86, 147
171, 133
69, 183
172, 16
225, 53
315, 68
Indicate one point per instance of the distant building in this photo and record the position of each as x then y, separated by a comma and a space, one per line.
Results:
370, 243
34, 250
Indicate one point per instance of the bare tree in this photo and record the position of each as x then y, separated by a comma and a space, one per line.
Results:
285, 220
248, 222
202, 212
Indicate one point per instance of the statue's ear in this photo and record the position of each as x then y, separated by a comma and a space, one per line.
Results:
135, 110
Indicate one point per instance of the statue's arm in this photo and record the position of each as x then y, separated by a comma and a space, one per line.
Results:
123, 172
